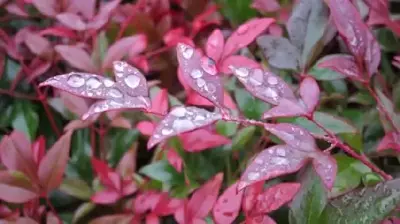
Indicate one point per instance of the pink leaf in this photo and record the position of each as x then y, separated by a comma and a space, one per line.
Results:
274, 197
200, 73
15, 194
326, 167
260, 220
293, 135
104, 15
309, 92
13, 8
237, 61
107, 176
179, 120
105, 197
130, 79
159, 103
38, 68
152, 219
273, 162
266, 5
76, 57
146, 201
127, 165
86, 7
227, 207
46, 7
25, 220
215, 45
53, 165
250, 196
141, 62
245, 34
193, 98
203, 199
39, 149
120, 48
37, 44
264, 85
372, 56
285, 108
343, 64
71, 21
58, 31
167, 206
146, 127
174, 36
175, 160
390, 141
202, 139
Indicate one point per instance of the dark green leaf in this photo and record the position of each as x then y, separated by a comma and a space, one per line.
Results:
250, 106
81, 154
25, 118
163, 172
237, 11
388, 41
324, 74
121, 140
226, 128
243, 137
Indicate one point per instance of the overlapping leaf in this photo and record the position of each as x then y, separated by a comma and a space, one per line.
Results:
343, 64
227, 207
279, 52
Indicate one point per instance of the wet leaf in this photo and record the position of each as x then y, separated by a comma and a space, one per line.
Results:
227, 207
215, 45
237, 61
309, 92
250, 196
272, 162
326, 167
279, 52
264, 85
130, 79
285, 108
76, 57
179, 120
342, 64
201, 139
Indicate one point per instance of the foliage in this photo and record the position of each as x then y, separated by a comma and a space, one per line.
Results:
179, 111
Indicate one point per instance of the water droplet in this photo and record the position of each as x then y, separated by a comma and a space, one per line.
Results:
93, 83
258, 161
196, 73
280, 161
257, 77
272, 80
108, 82
242, 72
178, 112
119, 66
200, 82
75, 81
187, 51
115, 93
166, 131
210, 88
242, 29
270, 93
132, 81
280, 152
199, 118
97, 109
182, 125
253, 175
208, 65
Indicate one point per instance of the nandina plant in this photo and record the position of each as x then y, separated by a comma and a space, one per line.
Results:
175, 111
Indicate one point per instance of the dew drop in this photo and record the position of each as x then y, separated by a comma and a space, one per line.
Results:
257, 77
258, 161
272, 80
182, 125
132, 81
178, 112
166, 131
75, 81
199, 118
93, 83
208, 65
270, 93
280, 152
242, 29
211, 88
242, 72
115, 93
280, 161
200, 82
119, 66
108, 83
196, 73
253, 175
97, 109
187, 52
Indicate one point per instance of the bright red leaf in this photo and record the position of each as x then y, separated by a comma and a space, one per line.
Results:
227, 207
146, 127
309, 92
262, 219
58, 31
250, 196
39, 149
159, 103
152, 219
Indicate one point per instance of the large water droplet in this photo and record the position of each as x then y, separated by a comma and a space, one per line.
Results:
132, 81
166, 131
280, 152
242, 29
199, 118
115, 93
208, 65
272, 80
210, 88
75, 81
242, 72
182, 125
119, 66
256, 77
200, 82
178, 112
269, 92
253, 175
93, 83
196, 73
108, 82
280, 161
187, 52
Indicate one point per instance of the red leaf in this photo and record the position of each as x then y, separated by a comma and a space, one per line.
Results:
343, 64
390, 141
202, 139
203, 199
58, 31
260, 220
39, 149
71, 21
266, 5
174, 36
152, 219
146, 201
200, 73
309, 92
372, 56
215, 45
264, 85
105, 197
146, 127
250, 196
46, 7
293, 135
274, 197
76, 57
179, 120
15, 194
159, 103
227, 207
52, 167
237, 61
106, 175
273, 162
37, 44
326, 167
141, 62
193, 98
167, 206
175, 160
120, 48
285, 108
245, 34
13, 8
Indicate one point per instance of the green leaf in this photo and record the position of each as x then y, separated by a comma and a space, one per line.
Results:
355, 141
243, 137
226, 128
324, 74
81, 154
25, 118
310, 201
100, 48
250, 106
76, 188
121, 141
388, 40
364, 206
348, 175
237, 11
82, 211
363, 98
163, 172
371, 179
